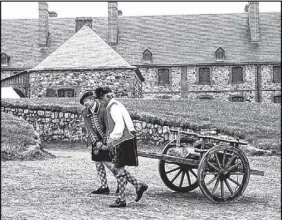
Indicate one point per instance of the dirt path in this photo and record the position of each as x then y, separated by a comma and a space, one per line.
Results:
60, 189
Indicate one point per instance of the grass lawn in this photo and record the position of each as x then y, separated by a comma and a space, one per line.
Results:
258, 123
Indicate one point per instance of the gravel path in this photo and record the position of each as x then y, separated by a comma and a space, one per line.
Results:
60, 189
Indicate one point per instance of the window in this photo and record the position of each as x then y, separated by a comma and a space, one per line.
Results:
277, 99
237, 99
147, 55
65, 92
51, 93
5, 59
204, 76
205, 98
237, 75
277, 74
220, 54
163, 76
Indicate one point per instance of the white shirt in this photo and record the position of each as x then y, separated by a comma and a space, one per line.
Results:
120, 117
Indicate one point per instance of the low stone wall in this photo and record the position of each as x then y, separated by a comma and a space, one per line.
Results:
55, 123
66, 124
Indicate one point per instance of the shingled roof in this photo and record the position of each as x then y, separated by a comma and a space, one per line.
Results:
84, 50
172, 39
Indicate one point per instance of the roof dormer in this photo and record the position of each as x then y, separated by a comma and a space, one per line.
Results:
147, 55
5, 59
220, 54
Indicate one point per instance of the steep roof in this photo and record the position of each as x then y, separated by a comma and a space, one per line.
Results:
193, 39
172, 39
84, 50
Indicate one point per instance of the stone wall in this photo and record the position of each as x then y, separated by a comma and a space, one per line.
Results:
150, 87
269, 89
220, 87
120, 80
66, 124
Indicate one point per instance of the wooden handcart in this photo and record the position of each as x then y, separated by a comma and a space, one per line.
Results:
215, 164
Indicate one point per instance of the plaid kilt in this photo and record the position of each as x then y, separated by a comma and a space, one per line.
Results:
125, 154
103, 155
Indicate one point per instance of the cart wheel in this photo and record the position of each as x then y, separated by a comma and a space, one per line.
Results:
178, 177
223, 173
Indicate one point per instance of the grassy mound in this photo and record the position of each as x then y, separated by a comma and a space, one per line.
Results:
19, 141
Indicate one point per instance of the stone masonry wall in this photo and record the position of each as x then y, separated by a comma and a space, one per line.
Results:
220, 87
120, 81
151, 88
268, 87
58, 124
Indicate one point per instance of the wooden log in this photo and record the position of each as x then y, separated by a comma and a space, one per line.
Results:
256, 172
168, 158
211, 137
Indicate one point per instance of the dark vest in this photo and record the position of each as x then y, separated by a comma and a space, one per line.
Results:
101, 115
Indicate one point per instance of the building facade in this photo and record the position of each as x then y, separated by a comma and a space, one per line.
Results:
231, 57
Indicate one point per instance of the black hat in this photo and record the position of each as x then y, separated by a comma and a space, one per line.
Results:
85, 95
100, 91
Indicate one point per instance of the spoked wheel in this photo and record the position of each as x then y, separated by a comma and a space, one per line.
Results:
178, 177
223, 173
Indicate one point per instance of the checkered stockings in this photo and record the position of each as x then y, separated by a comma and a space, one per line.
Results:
102, 174
132, 180
121, 179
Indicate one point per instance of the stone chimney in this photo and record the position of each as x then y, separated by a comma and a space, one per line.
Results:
80, 22
113, 23
43, 24
253, 21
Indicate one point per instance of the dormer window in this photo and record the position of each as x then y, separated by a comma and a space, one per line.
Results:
5, 59
220, 54
147, 55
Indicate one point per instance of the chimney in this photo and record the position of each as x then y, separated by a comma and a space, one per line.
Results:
253, 21
43, 24
80, 22
113, 23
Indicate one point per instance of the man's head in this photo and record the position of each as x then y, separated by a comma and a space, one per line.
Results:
87, 100
104, 94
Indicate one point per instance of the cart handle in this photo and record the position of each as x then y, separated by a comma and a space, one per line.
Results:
211, 137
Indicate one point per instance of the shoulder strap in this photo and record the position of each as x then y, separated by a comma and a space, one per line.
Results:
96, 125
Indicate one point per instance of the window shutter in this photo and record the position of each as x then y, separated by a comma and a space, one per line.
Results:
163, 76
51, 93
237, 75
277, 74
204, 75
277, 99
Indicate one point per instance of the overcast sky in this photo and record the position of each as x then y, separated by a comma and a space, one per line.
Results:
21, 10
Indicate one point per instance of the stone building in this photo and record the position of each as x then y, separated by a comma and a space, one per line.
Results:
78, 65
234, 57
